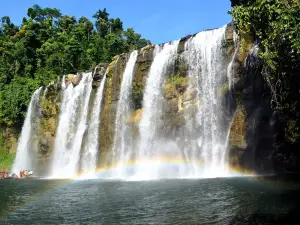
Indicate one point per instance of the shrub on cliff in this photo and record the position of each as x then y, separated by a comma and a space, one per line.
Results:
276, 26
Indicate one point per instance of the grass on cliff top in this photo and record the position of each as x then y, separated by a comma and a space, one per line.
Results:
6, 160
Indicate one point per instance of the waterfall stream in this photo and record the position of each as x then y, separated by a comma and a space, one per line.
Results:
164, 57
89, 161
122, 145
71, 127
206, 137
27, 143
183, 135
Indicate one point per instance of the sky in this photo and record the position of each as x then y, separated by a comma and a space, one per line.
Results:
157, 20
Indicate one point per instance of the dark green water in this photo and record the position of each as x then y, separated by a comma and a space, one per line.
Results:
211, 201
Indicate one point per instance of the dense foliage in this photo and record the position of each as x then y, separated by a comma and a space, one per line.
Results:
276, 26
48, 44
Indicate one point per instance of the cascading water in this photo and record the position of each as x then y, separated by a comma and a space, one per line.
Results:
198, 140
89, 161
149, 146
122, 147
27, 143
230, 68
45, 91
71, 128
206, 133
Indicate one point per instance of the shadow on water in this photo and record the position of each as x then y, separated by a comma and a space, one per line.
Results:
279, 205
273, 215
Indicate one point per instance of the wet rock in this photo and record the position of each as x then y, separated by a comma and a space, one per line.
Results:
69, 78
46, 143
189, 95
99, 71
170, 91
76, 79
181, 45
238, 129
171, 106
146, 54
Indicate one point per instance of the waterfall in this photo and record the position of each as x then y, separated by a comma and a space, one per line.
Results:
164, 57
89, 161
45, 91
122, 145
63, 83
230, 68
71, 127
27, 143
207, 133
186, 115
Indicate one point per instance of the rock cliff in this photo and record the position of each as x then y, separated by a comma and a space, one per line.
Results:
254, 126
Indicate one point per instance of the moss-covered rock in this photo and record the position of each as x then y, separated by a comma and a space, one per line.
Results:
224, 89
174, 86
246, 43
50, 109
238, 129
109, 106
98, 74
142, 67
171, 106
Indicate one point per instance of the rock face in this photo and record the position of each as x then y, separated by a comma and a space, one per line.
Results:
176, 95
50, 108
254, 125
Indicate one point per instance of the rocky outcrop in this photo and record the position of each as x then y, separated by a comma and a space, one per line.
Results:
253, 131
109, 105
98, 74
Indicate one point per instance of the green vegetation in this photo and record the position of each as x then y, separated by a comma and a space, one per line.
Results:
178, 80
48, 44
276, 26
224, 89
175, 85
137, 96
6, 160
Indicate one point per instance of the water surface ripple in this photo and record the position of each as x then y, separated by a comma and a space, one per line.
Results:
208, 201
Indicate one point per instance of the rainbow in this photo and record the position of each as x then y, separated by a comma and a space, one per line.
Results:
163, 162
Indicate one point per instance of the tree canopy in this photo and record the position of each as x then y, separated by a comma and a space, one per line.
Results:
48, 44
